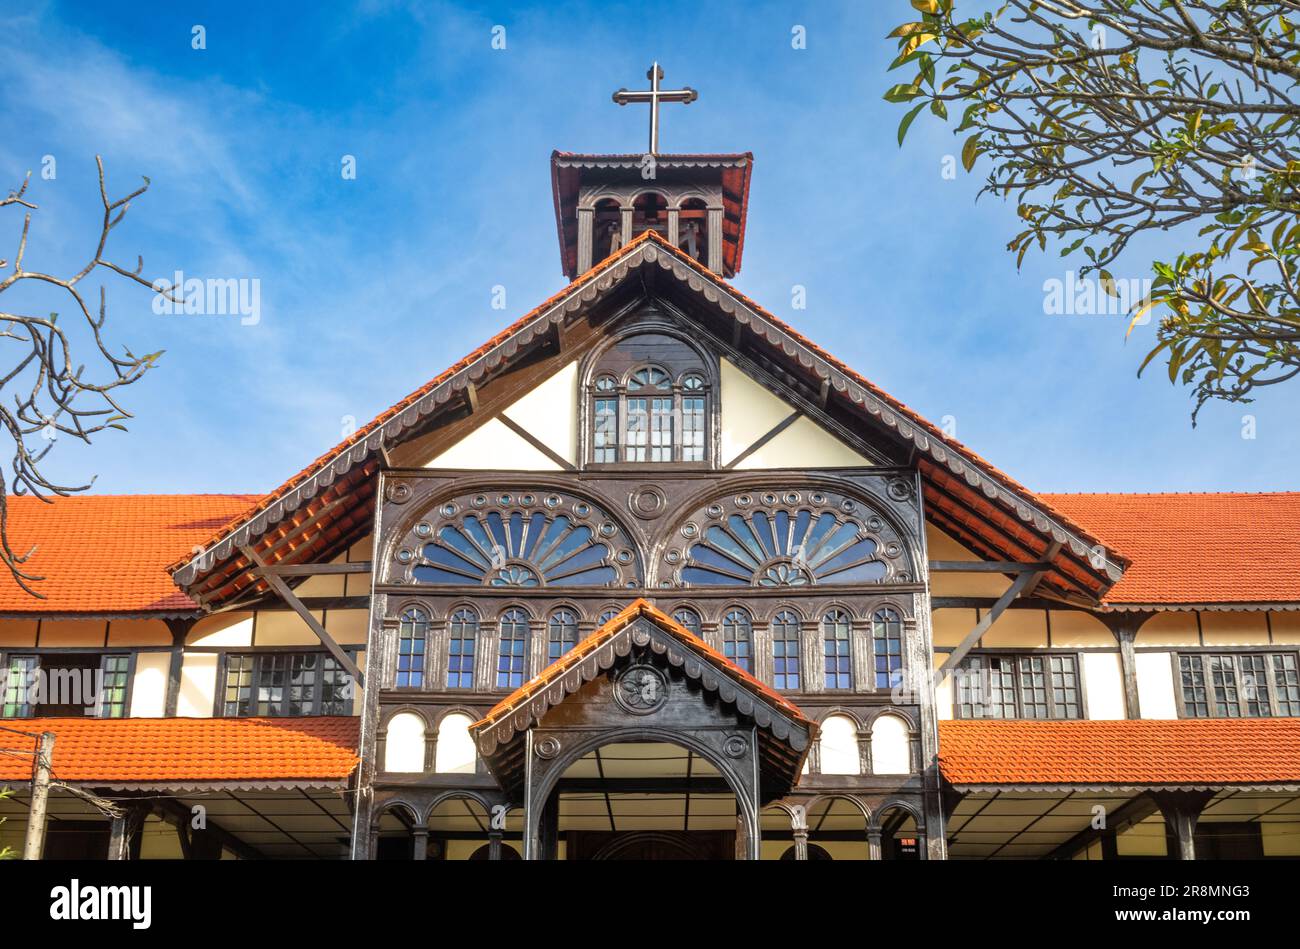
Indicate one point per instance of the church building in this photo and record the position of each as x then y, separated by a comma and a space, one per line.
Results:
649, 574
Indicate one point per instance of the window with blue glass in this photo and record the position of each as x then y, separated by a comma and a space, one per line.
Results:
738, 637
689, 620
785, 650
462, 640
412, 635
512, 649
561, 634
887, 640
837, 646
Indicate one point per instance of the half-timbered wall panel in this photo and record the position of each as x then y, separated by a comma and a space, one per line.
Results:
149, 687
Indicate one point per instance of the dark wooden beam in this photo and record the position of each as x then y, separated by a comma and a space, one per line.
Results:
528, 436
287, 595
762, 440
317, 569
985, 566
957, 655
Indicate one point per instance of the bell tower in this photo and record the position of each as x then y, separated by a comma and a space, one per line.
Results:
695, 202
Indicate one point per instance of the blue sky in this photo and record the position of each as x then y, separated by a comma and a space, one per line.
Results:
371, 286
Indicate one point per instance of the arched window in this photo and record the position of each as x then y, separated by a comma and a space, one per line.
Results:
887, 637
837, 644
606, 615
786, 538
455, 753
509, 538
512, 650
693, 229
785, 650
690, 620
412, 634
737, 637
562, 634
891, 747
462, 641
650, 213
404, 743
649, 402
839, 746
648, 422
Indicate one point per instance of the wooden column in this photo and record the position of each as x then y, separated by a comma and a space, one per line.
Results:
420, 843
586, 219
1181, 810
124, 829
180, 630
1124, 627
715, 240
873, 844
799, 828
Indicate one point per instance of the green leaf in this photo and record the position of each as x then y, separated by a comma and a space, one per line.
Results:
904, 125
903, 92
970, 151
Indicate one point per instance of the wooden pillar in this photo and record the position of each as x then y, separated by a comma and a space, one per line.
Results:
674, 225
586, 220
1181, 810
627, 226
180, 630
494, 845
715, 240
124, 829
420, 843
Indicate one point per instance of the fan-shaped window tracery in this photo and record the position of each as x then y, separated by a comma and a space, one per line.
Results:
517, 539
787, 538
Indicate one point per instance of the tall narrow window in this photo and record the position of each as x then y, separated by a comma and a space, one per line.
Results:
112, 687
837, 646
1223, 676
887, 637
462, 646
1287, 684
690, 620
785, 650
693, 418
737, 637
561, 635
238, 699
21, 673
412, 634
512, 651
604, 422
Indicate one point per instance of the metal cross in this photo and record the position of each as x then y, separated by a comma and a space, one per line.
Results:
654, 95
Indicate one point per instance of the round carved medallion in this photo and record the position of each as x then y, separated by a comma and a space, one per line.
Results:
735, 747
548, 747
641, 690
647, 502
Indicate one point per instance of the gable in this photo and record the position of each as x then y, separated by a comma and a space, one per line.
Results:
988, 510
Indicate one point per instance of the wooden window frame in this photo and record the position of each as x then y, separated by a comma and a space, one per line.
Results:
1202, 664
42, 656
1017, 685
258, 658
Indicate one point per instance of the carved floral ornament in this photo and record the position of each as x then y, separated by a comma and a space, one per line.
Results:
786, 538
516, 539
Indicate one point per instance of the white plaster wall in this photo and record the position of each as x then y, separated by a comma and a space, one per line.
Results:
1155, 680
149, 687
198, 686
493, 445
1103, 683
550, 413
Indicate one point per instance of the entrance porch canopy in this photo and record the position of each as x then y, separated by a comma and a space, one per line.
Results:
783, 733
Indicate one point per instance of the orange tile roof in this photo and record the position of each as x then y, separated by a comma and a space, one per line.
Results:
185, 750
109, 553
612, 627
1196, 548
1123, 753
